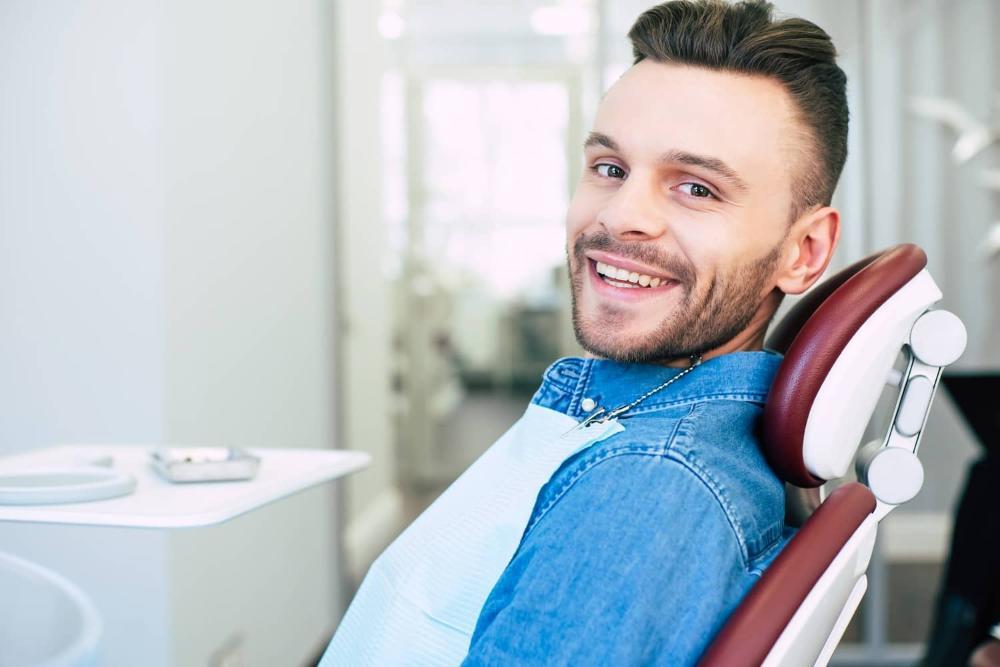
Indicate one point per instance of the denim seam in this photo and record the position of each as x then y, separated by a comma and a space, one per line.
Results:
648, 451
581, 386
683, 429
719, 491
712, 484
587, 463
743, 397
549, 377
756, 570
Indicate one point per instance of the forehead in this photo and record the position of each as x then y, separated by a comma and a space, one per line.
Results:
746, 121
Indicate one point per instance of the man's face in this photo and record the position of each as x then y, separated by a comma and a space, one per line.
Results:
675, 231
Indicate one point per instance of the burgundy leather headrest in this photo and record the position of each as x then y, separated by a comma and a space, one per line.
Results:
812, 335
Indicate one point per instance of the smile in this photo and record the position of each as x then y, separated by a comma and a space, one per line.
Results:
619, 277
622, 283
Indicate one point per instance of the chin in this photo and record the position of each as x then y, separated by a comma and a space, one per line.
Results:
603, 337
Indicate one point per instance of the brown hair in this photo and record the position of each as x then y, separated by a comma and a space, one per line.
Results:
744, 38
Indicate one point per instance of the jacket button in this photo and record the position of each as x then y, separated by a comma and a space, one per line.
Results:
588, 404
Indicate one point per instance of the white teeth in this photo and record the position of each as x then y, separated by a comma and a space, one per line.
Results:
624, 278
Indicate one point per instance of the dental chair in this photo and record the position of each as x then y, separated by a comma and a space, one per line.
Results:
840, 343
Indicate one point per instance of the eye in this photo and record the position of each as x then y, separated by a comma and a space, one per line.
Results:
697, 190
609, 170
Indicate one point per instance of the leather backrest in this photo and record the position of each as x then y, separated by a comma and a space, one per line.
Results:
812, 336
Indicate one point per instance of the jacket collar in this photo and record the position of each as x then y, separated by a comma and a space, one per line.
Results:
609, 384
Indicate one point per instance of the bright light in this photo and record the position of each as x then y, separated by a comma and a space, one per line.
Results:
561, 20
390, 25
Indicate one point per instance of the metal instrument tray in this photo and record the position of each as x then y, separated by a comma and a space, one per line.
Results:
204, 464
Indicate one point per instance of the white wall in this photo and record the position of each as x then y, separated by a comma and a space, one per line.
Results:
166, 236
81, 223
247, 222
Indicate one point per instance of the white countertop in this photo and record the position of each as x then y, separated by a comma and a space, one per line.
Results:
157, 503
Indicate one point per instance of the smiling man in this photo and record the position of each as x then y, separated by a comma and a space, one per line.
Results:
623, 518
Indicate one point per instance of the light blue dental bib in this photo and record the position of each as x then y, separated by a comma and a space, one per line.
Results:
419, 603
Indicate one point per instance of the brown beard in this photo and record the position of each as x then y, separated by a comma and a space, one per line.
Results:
701, 323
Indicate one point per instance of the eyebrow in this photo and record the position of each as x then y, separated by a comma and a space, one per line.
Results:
707, 162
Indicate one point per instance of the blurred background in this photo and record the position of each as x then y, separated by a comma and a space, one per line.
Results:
339, 223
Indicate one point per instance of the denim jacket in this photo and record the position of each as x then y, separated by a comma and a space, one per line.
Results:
641, 545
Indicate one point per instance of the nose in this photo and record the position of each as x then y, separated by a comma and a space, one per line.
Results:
634, 212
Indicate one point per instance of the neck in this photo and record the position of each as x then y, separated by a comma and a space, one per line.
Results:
750, 339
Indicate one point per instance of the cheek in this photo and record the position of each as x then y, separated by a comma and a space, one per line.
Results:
704, 245
582, 212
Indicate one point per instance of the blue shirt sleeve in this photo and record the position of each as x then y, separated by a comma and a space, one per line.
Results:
635, 564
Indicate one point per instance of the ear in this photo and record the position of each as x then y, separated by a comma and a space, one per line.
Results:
811, 242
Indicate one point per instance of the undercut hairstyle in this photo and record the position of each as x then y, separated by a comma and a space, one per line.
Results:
744, 38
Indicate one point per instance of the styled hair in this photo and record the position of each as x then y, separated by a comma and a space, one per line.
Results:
744, 38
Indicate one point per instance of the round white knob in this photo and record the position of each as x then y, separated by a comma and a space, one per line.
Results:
938, 338
895, 475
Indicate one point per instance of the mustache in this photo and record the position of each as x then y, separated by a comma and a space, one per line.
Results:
680, 269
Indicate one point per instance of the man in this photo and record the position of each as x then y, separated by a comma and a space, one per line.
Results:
626, 514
